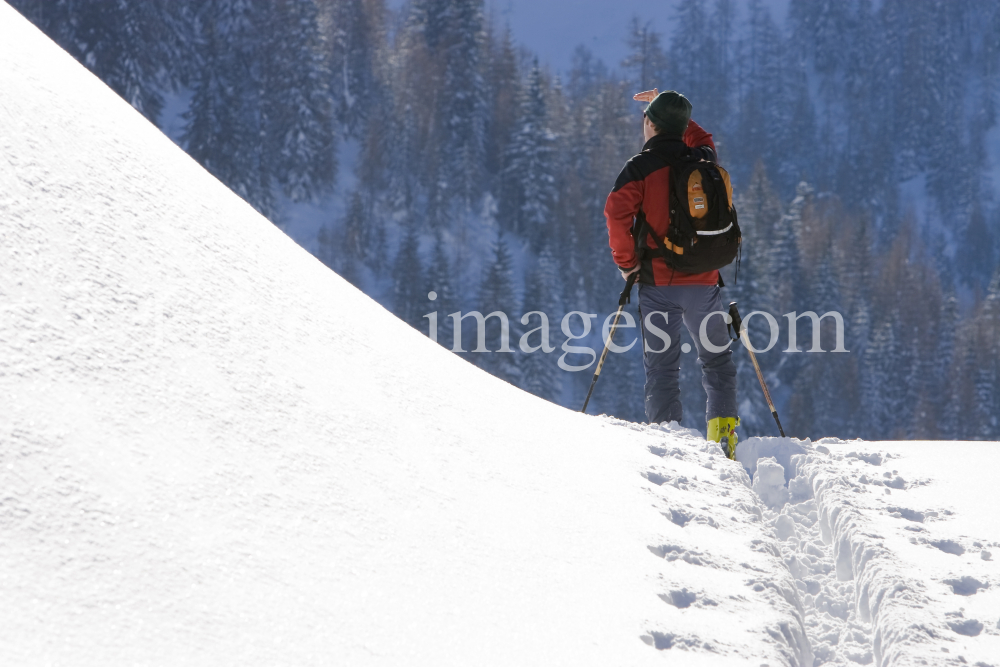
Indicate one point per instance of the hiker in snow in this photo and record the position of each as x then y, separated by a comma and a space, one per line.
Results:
670, 219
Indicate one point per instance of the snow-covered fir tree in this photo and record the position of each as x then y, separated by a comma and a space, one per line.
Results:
528, 192
464, 104
295, 100
408, 297
440, 279
496, 295
352, 40
540, 373
224, 130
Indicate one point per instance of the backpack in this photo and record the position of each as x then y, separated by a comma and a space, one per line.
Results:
704, 233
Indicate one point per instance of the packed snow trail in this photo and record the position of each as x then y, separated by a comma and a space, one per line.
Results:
215, 451
886, 573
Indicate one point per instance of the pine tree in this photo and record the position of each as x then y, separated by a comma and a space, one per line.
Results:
554, 229
795, 134
120, 42
326, 245
820, 27
496, 293
691, 49
715, 101
760, 212
881, 393
945, 358
953, 167
587, 72
784, 253
975, 256
431, 18
358, 237
961, 407
350, 270
440, 279
762, 100
607, 134
139, 49
528, 173
223, 130
444, 46
540, 373
353, 35
868, 137
646, 61
502, 84
408, 298
464, 101
986, 413
295, 100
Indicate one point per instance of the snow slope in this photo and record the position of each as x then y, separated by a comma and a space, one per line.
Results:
214, 451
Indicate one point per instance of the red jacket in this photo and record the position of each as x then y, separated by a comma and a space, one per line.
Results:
645, 181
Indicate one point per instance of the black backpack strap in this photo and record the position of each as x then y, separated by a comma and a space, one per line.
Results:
680, 227
642, 231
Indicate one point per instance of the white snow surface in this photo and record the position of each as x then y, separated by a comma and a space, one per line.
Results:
214, 451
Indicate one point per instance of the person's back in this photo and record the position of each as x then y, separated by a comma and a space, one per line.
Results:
666, 296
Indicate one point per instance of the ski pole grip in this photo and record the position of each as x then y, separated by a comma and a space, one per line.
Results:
627, 292
737, 321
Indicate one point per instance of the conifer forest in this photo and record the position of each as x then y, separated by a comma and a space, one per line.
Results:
418, 148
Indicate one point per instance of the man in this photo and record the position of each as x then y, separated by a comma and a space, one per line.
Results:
668, 297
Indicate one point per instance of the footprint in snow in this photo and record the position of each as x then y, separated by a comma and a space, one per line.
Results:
672, 552
682, 599
908, 514
682, 518
968, 627
872, 459
948, 546
667, 640
966, 585
680, 482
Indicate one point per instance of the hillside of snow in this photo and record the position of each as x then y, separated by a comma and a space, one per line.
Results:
214, 451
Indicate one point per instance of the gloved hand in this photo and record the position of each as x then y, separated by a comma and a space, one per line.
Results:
627, 272
704, 153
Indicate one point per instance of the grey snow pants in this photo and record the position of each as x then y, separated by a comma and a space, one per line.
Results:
664, 307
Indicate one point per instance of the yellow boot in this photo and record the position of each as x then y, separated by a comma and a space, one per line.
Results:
723, 431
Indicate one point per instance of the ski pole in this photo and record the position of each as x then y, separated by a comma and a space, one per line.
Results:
622, 300
737, 323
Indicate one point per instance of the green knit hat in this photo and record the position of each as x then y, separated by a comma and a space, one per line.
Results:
670, 112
